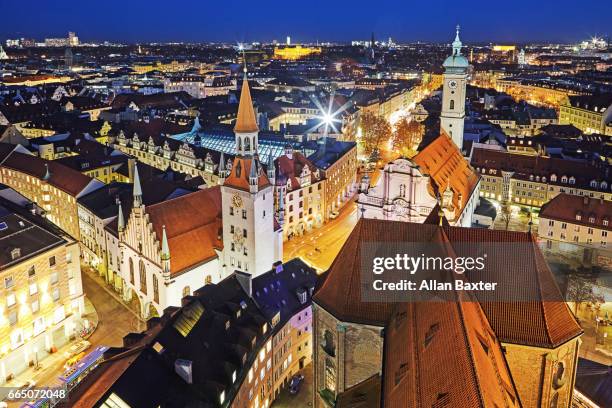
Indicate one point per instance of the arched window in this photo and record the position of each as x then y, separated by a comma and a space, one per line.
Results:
131, 271
330, 375
208, 280
239, 143
186, 291
247, 144
452, 104
328, 343
143, 277
155, 289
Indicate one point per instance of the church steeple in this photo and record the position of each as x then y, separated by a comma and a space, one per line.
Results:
165, 251
120, 218
137, 190
457, 44
246, 128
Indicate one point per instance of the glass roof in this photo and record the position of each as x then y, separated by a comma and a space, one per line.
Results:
223, 141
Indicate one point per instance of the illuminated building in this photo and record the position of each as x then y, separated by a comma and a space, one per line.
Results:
3, 55
301, 189
582, 221
295, 52
257, 332
34, 80
507, 53
534, 180
408, 189
591, 114
200, 86
452, 117
40, 288
53, 187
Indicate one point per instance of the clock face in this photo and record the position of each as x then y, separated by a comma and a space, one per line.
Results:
237, 201
452, 84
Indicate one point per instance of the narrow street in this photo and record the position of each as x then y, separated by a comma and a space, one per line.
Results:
320, 246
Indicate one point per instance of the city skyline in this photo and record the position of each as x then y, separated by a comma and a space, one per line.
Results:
190, 22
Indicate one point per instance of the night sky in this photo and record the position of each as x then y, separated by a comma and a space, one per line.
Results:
306, 21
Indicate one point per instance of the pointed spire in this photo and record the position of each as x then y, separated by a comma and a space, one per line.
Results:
253, 172
457, 43
196, 125
246, 121
137, 190
271, 169
120, 218
222, 164
165, 248
47, 175
281, 207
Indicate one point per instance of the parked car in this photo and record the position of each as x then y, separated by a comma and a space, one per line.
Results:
295, 383
74, 359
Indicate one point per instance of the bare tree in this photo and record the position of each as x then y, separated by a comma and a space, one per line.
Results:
580, 291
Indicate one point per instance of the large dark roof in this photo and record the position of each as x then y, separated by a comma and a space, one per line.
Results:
23, 232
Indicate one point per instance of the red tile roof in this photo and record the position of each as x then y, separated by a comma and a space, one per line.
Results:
239, 176
566, 207
444, 354
443, 161
62, 177
541, 323
524, 167
193, 226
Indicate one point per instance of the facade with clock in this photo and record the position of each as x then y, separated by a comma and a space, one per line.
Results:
166, 251
453, 96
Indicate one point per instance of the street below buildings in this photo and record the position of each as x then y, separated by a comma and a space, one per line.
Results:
115, 320
319, 247
304, 396
112, 321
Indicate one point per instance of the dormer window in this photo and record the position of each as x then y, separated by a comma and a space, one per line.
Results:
563, 179
578, 217
15, 253
572, 180
264, 328
593, 183
592, 220
553, 178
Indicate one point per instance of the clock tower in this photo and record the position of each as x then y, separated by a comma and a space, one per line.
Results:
453, 94
251, 240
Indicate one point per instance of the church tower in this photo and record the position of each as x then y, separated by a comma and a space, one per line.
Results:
453, 95
250, 242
